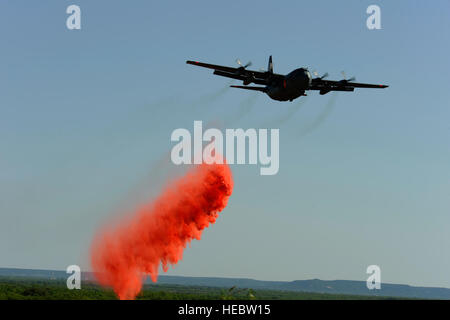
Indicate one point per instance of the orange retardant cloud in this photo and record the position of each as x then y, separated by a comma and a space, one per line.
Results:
158, 232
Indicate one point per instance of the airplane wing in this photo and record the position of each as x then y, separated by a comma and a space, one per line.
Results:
240, 73
212, 66
326, 86
262, 89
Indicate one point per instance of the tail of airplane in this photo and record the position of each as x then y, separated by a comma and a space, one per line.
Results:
270, 66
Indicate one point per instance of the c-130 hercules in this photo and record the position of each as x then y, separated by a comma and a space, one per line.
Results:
284, 87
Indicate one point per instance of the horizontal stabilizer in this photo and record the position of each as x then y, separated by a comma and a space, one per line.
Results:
262, 89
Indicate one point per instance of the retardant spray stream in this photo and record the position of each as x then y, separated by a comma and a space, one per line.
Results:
157, 233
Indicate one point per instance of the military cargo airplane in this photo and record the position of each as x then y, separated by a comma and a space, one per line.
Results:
284, 87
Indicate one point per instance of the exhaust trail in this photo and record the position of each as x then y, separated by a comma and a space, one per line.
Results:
148, 185
204, 101
321, 117
156, 234
291, 111
243, 109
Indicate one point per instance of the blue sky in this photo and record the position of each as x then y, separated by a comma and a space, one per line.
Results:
86, 118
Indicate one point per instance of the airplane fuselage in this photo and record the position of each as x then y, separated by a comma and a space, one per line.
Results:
292, 86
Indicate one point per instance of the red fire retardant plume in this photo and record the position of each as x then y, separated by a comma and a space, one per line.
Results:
158, 232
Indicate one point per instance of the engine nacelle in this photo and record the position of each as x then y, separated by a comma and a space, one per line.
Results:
249, 80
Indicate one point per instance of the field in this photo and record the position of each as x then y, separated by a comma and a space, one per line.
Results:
22, 288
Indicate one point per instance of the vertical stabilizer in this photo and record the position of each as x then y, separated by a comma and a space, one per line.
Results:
270, 66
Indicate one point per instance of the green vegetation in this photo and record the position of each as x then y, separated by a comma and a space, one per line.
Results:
20, 288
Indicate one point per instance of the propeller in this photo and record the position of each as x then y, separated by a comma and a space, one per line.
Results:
345, 78
317, 75
243, 66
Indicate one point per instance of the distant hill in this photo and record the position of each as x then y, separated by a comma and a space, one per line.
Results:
315, 285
